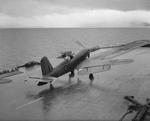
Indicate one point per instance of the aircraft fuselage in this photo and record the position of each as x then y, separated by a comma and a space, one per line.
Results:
69, 65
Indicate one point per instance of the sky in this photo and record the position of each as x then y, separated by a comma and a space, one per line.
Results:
74, 13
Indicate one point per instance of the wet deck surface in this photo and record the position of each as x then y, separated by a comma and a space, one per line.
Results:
78, 101
9, 74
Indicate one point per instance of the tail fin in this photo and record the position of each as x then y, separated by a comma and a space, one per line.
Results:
46, 67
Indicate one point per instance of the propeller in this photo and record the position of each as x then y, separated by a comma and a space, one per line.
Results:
65, 54
70, 54
92, 49
80, 44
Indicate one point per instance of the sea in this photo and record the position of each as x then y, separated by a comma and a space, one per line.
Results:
20, 45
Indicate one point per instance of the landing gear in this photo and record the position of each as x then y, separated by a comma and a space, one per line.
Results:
88, 55
51, 86
71, 75
91, 77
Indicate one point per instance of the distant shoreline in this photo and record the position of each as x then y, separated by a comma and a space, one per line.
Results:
105, 27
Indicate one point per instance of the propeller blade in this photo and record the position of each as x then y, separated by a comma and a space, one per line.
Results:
65, 54
80, 44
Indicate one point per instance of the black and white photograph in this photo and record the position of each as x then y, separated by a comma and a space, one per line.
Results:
73, 60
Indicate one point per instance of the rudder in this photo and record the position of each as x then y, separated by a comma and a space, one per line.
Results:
46, 67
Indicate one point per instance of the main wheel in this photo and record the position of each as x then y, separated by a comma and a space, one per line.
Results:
51, 86
91, 77
71, 74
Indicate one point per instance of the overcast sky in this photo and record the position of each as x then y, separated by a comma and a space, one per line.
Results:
74, 13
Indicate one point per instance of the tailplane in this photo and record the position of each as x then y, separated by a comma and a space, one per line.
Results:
46, 67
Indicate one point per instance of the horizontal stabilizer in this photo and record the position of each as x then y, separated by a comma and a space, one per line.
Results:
45, 79
101, 66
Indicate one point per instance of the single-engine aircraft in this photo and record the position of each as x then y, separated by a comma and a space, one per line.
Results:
83, 62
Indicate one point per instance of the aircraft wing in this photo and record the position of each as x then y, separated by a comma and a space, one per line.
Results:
94, 69
97, 66
102, 60
114, 51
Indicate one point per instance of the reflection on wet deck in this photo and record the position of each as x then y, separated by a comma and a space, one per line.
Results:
102, 100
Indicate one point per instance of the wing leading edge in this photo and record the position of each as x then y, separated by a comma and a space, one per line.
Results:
104, 56
115, 51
